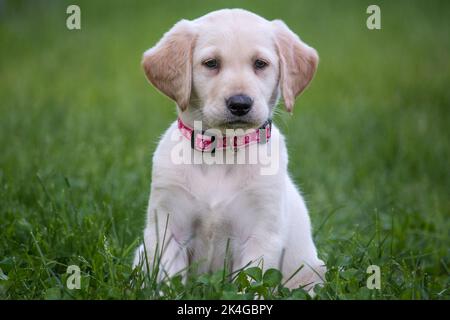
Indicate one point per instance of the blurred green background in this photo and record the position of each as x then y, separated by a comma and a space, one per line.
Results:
368, 141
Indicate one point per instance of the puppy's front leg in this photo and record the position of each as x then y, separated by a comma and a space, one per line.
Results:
160, 252
262, 251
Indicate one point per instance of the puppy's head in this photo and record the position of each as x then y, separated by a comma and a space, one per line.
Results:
228, 67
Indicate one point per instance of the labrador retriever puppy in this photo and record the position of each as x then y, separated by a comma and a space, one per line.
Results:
226, 71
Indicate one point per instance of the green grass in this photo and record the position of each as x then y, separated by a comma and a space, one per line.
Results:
368, 145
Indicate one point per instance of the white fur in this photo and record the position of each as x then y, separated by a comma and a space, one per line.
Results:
263, 218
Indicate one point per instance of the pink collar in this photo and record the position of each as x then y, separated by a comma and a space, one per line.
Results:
208, 143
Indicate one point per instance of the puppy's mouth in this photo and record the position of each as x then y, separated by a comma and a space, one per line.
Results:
239, 124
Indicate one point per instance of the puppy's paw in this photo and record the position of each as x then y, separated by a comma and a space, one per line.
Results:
309, 277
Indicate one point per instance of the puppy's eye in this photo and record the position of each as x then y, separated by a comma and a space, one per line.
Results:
211, 63
260, 64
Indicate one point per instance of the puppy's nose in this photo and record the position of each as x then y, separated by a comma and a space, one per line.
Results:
239, 104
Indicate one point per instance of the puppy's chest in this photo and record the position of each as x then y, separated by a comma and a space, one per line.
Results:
213, 201
220, 204
217, 186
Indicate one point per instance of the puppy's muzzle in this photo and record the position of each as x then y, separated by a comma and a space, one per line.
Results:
239, 104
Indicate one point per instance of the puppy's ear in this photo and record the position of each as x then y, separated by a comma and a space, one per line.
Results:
298, 63
168, 65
